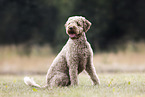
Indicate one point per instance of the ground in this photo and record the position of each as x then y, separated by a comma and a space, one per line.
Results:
112, 85
122, 74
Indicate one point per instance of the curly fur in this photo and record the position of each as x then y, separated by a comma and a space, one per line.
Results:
75, 56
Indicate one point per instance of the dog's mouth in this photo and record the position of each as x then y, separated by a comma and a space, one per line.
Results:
74, 35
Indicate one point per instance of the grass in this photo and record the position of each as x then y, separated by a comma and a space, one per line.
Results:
112, 85
20, 59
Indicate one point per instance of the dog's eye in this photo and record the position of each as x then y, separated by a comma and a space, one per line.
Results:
78, 24
68, 23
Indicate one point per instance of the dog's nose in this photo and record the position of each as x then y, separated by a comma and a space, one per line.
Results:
70, 28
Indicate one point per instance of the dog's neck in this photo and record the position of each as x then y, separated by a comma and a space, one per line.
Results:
81, 39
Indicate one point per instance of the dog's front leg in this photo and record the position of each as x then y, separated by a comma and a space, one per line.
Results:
92, 72
73, 72
73, 76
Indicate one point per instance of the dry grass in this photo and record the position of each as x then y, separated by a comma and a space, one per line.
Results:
17, 59
132, 58
38, 59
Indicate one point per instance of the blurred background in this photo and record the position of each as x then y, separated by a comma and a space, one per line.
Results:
32, 33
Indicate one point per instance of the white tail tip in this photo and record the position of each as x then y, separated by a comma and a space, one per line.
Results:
30, 82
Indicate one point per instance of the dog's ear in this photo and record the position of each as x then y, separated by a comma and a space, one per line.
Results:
87, 25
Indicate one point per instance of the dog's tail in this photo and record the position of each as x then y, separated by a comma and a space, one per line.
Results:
30, 82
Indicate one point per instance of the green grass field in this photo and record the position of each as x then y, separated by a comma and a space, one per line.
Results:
112, 85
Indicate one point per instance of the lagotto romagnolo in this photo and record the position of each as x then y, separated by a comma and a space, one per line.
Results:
75, 56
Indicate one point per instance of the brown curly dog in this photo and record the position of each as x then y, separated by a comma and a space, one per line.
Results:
75, 56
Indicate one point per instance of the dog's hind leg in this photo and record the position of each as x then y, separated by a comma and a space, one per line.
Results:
60, 79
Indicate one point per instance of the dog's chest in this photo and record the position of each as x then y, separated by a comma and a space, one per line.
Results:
83, 50
83, 54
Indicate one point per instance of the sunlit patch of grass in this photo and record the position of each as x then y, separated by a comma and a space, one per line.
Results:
129, 59
35, 58
21, 58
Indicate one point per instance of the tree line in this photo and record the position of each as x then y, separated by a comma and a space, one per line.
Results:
114, 22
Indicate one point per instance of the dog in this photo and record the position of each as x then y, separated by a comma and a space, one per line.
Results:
75, 56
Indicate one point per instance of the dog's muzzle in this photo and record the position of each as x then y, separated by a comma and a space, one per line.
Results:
72, 33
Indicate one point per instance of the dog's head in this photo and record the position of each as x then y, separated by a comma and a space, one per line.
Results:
76, 26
